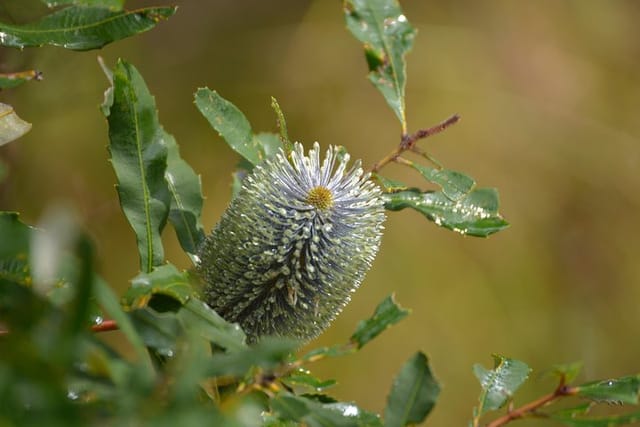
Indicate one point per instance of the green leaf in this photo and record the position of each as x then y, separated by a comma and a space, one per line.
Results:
15, 236
111, 306
566, 372
35, 354
413, 394
83, 28
165, 280
618, 390
15, 249
455, 185
387, 313
331, 351
500, 383
475, 215
139, 157
186, 199
389, 185
315, 414
61, 261
198, 317
159, 331
229, 122
352, 412
282, 125
574, 411
189, 370
272, 420
303, 377
268, 353
12, 127
83, 284
387, 37
269, 144
111, 4
234, 127
607, 421
11, 80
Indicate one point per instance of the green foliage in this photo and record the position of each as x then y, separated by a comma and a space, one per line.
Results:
476, 214
190, 366
78, 25
112, 4
498, 386
83, 27
186, 199
385, 315
139, 158
413, 394
234, 127
387, 37
15, 237
114, 310
288, 407
573, 420
455, 185
164, 280
566, 372
282, 125
500, 383
620, 390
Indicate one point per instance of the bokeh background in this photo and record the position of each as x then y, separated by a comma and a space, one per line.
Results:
549, 93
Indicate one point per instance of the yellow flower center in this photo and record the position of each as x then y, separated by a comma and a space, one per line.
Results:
320, 197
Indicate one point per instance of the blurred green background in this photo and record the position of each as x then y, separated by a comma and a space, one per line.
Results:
549, 93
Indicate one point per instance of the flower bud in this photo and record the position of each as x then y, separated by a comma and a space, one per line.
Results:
293, 245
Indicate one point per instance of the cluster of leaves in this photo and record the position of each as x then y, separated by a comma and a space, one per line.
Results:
387, 36
75, 25
501, 383
191, 367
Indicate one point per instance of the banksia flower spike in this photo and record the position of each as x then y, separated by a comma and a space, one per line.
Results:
293, 245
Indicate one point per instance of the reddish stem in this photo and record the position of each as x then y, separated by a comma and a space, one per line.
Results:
408, 142
531, 407
105, 326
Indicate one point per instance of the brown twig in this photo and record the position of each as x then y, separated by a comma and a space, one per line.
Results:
530, 408
408, 142
105, 326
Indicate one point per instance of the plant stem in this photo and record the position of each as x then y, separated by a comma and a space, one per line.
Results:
105, 326
408, 142
530, 408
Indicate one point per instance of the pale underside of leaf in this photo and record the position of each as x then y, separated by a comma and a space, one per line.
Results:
12, 127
